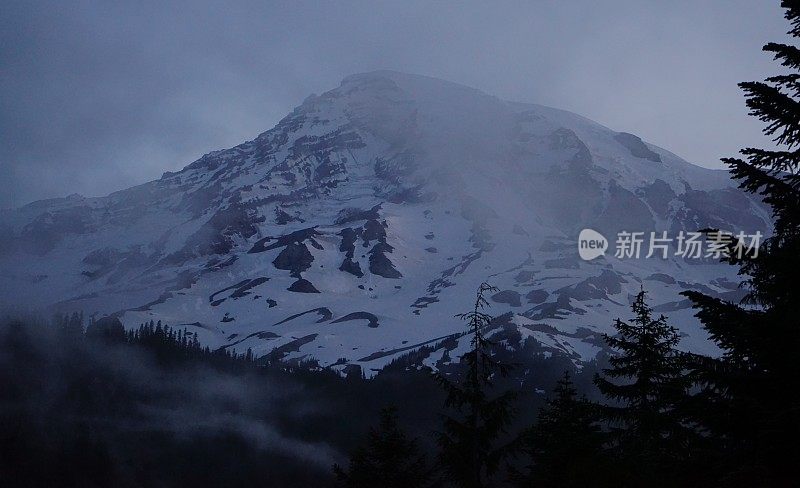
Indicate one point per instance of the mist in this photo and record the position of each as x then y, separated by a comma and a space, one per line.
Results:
82, 400
97, 97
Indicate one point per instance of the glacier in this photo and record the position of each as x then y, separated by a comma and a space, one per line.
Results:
353, 231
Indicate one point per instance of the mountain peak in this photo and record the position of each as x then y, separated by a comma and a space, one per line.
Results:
354, 228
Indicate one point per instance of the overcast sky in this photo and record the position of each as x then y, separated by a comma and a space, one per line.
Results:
97, 97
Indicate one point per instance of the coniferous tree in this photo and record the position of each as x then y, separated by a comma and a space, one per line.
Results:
647, 385
751, 395
565, 445
72, 325
388, 459
468, 442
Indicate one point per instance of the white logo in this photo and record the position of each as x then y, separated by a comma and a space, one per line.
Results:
710, 244
591, 244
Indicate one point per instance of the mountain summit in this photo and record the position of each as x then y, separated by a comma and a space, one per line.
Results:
355, 229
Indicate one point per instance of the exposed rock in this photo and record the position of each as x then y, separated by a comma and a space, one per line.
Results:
329, 169
241, 290
423, 302
537, 296
216, 264
550, 246
379, 264
663, 278
636, 147
716, 209
114, 262
295, 237
244, 290
624, 212
303, 286
295, 258
352, 214
324, 315
373, 320
283, 218
569, 195
658, 195
352, 267
217, 235
49, 228
566, 140
396, 167
672, 306
373, 230
509, 297
292, 346
349, 237
596, 287
412, 194
212, 297
727, 284
559, 309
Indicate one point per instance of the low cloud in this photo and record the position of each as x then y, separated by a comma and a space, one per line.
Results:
96, 97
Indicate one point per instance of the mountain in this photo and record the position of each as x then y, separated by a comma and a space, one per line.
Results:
355, 229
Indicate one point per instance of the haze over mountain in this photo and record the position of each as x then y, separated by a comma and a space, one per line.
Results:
355, 229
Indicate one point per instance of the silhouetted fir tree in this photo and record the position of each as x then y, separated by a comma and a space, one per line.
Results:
71, 325
108, 329
647, 385
170, 345
751, 399
469, 454
388, 459
565, 447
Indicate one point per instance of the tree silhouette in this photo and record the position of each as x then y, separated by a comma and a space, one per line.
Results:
469, 453
753, 389
564, 448
647, 385
388, 459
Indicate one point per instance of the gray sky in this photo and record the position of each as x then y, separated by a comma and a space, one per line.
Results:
96, 97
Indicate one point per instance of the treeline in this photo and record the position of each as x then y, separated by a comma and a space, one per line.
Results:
93, 404
98, 405
167, 343
665, 420
644, 434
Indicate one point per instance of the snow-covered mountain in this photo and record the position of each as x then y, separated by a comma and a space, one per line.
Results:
357, 227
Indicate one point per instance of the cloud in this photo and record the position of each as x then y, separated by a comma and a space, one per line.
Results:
95, 97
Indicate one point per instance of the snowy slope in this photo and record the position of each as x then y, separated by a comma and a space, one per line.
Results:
357, 227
